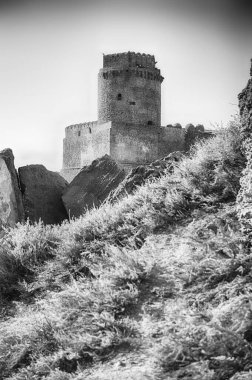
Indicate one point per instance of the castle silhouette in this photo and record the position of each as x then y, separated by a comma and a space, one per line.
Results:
129, 119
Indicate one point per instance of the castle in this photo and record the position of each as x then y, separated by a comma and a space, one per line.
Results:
129, 119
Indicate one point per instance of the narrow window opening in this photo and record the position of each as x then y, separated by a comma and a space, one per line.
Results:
90, 131
132, 103
79, 133
150, 122
119, 97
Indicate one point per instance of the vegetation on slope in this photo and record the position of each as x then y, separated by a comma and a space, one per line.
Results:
78, 296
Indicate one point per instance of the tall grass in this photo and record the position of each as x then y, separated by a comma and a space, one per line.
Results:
75, 286
214, 166
210, 174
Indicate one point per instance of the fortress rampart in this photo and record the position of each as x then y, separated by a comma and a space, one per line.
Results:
129, 59
73, 129
129, 118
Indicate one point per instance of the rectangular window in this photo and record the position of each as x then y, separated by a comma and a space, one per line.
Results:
132, 103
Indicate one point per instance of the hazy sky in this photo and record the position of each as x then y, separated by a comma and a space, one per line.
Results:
51, 52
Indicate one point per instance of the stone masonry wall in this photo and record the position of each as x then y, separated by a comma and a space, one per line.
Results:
129, 144
78, 137
129, 89
171, 139
132, 96
83, 144
134, 144
98, 144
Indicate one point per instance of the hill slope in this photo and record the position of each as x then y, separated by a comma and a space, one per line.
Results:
156, 286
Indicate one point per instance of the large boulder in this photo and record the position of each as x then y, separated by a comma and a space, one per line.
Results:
139, 175
92, 185
42, 190
244, 199
11, 206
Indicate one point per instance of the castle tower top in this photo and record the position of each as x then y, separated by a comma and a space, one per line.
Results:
129, 89
129, 59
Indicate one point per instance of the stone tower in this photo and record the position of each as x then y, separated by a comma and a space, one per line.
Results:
129, 89
129, 111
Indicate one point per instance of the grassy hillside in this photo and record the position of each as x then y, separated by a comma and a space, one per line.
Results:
156, 286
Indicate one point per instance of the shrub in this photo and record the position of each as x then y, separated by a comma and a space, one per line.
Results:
23, 248
215, 165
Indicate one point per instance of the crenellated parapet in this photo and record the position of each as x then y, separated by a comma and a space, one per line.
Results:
77, 129
129, 59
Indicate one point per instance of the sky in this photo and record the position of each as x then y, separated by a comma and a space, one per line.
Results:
51, 52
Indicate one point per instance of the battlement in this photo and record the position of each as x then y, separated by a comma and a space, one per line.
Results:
81, 127
137, 72
129, 59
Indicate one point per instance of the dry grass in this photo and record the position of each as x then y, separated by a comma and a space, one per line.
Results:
78, 296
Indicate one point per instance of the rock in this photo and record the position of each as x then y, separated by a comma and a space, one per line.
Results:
176, 156
139, 175
244, 198
42, 190
92, 185
11, 206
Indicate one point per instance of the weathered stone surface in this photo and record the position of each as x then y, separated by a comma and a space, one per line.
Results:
92, 185
139, 175
42, 190
244, 199
193, 134
11, 206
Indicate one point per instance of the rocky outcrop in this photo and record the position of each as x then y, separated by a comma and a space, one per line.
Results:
11, 206
244, 198
42, 191
139, 175
92, 185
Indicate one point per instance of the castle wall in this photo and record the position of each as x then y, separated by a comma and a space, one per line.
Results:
171, 139
133, 144
69, 173
78, 137
194, 134
97, 145
128, 144
83, 144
